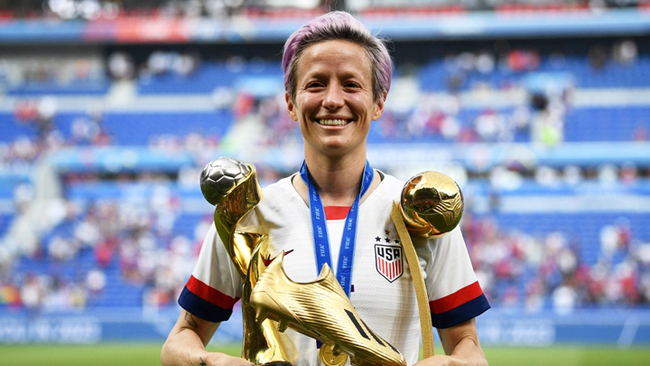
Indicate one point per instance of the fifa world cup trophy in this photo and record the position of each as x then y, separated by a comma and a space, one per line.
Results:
271, 302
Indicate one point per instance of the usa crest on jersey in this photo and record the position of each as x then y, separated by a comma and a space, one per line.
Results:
388, 261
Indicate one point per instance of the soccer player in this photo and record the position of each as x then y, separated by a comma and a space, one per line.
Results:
337, 76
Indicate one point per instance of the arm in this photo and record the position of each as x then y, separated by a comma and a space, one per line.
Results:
461, 346
186, 343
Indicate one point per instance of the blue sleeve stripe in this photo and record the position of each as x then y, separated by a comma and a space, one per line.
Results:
202, 308
462, 313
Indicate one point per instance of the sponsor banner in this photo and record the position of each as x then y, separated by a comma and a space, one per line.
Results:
152, 30
44, 330
529, 333
138, 30
495, 328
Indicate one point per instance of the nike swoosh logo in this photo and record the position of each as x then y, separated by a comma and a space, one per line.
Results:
268, 260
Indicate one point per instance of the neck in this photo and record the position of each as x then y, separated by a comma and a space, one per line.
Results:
338, 181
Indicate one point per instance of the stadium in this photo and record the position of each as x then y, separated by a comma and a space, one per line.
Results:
539, 109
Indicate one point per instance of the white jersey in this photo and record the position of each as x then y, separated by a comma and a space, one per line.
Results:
382, 290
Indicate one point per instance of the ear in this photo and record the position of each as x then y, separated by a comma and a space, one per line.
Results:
379, 107
290, 107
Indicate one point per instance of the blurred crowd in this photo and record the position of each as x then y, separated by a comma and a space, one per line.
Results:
110, 9
522, 270
520, 104
43, 136
131, 241
122, 66
137, 241
97, 247
523, 101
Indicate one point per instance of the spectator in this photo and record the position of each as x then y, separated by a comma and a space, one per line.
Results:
121, 66
95, 281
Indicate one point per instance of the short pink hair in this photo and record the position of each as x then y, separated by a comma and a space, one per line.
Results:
338, 25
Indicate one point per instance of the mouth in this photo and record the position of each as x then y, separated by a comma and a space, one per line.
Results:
332, 122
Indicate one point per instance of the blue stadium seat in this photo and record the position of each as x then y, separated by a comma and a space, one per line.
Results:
32, 89
581, 229
139, 128
607, 123
11, 129
208, 77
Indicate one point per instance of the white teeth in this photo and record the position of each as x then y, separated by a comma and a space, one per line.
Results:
332, 122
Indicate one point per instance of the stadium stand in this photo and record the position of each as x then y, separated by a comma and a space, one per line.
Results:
141, 129
120, 224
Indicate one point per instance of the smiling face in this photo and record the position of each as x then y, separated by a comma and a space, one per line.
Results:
334, 101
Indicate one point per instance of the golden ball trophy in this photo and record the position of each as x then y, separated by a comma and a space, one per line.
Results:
431, 205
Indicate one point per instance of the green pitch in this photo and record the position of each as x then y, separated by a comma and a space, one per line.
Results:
149, 355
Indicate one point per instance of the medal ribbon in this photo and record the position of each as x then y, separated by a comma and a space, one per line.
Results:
319, 225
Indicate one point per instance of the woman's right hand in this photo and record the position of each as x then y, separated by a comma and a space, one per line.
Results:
221, 359
186, 344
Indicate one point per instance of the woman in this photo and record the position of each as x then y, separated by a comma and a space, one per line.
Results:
337, 76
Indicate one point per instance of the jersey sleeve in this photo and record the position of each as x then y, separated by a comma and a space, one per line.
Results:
215, 284
454, 293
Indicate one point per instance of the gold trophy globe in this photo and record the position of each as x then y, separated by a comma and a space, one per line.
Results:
431, 204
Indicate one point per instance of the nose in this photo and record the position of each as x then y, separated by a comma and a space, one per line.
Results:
333, 97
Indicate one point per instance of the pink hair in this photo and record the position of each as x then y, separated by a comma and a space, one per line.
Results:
337, 25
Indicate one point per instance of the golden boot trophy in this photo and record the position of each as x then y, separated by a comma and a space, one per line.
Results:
271, 302
321, 310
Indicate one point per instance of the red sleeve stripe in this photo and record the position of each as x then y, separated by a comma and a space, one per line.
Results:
209, 294
456, 299
336, 212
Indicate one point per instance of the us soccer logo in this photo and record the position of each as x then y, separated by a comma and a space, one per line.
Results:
388, 260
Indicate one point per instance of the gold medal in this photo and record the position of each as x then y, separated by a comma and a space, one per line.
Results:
328, 358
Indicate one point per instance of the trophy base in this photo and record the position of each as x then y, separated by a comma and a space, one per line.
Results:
278, 363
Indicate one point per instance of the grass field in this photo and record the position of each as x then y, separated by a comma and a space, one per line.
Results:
148, 355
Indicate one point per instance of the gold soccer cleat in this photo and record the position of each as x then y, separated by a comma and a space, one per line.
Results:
320, 310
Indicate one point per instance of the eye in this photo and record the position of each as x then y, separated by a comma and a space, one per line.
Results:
314, 85
352, 85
